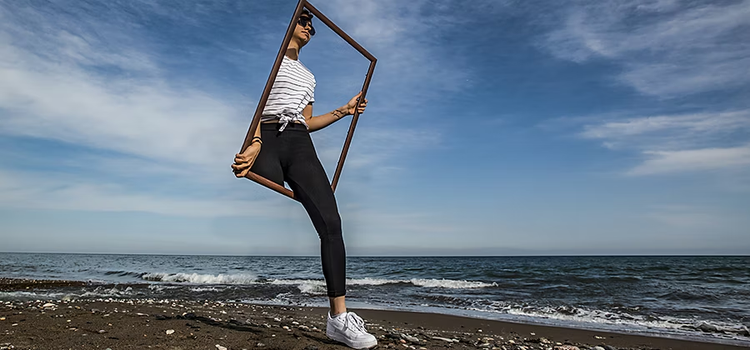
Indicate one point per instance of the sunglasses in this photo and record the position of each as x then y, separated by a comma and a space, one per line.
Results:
304, 21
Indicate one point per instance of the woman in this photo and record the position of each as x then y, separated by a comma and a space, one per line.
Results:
288, 155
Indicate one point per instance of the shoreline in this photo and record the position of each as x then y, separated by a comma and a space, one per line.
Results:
140, 323
175, 324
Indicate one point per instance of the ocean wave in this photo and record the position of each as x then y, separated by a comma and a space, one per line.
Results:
556, 287
453, 284
307, 285
200, 278
617, 320
690, 295
23, 295
124, 273
161, 287
367, 281
98, 292
107, 292
423, 282
204, 289
429, 283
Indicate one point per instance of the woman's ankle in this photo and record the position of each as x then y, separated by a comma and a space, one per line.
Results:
338, 306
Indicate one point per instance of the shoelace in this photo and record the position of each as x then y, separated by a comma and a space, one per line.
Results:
358, 322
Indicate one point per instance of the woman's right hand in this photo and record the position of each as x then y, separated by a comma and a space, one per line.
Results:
244, 161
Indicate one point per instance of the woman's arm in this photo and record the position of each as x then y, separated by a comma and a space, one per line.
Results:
323, 120
245, 160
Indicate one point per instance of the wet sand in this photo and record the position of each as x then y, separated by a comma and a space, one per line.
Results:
16, 284
174, 324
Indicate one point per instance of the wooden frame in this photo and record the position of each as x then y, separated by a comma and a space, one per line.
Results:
272, 77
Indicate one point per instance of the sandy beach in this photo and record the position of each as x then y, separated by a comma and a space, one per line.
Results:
178, 324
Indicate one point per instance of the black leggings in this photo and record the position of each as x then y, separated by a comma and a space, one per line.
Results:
290, 156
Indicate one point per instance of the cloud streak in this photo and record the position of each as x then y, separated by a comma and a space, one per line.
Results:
679, 143
692, 123
33, 191
665, 48
409, 48
147, 117
669, 132
662, 162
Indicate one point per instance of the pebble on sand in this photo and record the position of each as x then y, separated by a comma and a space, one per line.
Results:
170, 331
409, 338
446, 339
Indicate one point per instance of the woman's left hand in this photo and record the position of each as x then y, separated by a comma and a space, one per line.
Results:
352, 105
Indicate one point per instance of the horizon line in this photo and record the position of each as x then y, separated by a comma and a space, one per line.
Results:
397, 256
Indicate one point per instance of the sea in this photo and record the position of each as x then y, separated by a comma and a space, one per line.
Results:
704, 298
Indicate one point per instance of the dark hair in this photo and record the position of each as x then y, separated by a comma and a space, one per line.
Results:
306, 12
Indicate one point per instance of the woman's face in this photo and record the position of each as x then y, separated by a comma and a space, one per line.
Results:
303, 33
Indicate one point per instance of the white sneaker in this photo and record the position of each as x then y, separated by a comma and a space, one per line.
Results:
349, 329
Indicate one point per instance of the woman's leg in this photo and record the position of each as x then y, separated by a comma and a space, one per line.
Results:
308, 180
311, 187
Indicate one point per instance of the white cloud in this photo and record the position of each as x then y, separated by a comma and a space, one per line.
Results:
662, 162
666, 48
668, 132
408, 45
145, 117
701, 122
60, 192
679, 143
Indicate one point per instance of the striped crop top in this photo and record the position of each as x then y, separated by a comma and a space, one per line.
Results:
291, 92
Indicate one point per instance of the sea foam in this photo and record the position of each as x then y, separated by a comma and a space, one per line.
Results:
200, 278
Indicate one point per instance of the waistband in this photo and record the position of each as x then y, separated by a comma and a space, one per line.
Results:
289, 126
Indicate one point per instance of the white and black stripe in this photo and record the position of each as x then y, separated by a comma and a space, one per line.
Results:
292, 91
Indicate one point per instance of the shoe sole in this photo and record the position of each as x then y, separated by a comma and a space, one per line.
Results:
355, 345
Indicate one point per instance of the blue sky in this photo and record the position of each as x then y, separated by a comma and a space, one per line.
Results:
494, 127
